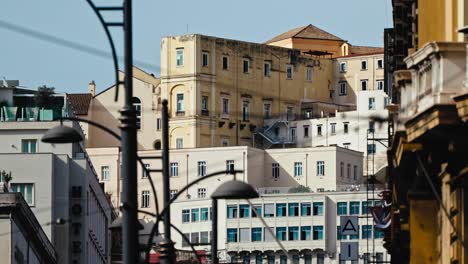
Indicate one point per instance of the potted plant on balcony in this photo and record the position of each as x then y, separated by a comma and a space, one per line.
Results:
44, 101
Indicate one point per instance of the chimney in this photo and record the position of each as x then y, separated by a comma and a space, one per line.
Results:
92, 88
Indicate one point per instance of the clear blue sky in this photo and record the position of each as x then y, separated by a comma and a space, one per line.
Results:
35, 62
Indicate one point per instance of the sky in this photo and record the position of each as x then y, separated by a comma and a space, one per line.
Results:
67, 27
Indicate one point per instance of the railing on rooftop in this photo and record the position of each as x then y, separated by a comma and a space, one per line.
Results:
303, 189
31, 114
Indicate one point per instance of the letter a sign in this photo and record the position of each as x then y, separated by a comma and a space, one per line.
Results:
349, 225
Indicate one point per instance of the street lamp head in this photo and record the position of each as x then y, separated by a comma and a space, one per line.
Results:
61, 134
235, 190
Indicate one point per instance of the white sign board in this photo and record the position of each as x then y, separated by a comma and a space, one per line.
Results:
349, 251
349, 225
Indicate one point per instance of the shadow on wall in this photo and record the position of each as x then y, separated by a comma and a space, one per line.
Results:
285, 178
98, 138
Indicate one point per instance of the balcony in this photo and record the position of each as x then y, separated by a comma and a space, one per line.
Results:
30, 114
438, 73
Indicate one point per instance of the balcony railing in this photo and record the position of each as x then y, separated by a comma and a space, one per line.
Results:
438, 72
31, 114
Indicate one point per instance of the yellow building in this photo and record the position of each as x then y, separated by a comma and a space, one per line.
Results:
429, 153
221, 90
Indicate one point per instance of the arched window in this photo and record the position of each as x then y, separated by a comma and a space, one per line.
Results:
136, 102
157, 144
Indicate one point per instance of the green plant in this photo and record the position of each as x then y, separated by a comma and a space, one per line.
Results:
299, 189
5, 177
43, 97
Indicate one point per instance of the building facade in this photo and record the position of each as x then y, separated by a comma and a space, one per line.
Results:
306, 224
58, 182
23, 239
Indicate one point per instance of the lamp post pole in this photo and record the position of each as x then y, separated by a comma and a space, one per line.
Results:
129, 149
214, 231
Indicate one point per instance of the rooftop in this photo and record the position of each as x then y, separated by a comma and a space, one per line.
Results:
306, 32
80, 103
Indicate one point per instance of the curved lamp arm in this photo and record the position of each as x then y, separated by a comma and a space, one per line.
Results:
158, 218
111, 43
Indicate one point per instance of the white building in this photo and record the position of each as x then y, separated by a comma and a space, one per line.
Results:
307, 224
352, 129
58, 182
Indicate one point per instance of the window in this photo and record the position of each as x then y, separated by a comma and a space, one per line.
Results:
354, 208
293, 209
204, 214
281, 233
231, 235
371, 103
342, 208
289, 72
258, 208
319, 130
29, 145
275, 170
145, 199
204, 237
185, 243
378, 233
308, 73
365, 207
366, 232
201, 168
380, 84
136, 102
320, 168
195, 214
379, 64
244, 234
195, 238
224, 142
355, 172
293, 233
232, 211
305, 209
269, 210
185, 216
205, 57
346, 128
229, 165
363, 85
370, 149
244, 211
305, 233
306, 131
180, 56
26, 189
174, 169
146, 172
289, 113
280, 209
173, 193
339, 236
348, 171
343, 67
201, 192
333, 128
267, 69
204, 103
179, 143
245, 111
343, 88
364, 65
318, 233
104, 173
297, 169
225, 63
346, 145
256, 234
318, 208
283, 259
180, 102
320, 258
158, 124
245, 65
225, 106
341, 169
266, 110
